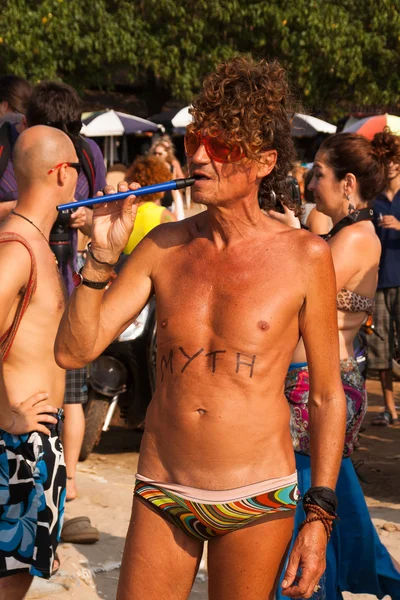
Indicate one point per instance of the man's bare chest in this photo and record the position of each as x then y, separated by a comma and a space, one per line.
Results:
249, 299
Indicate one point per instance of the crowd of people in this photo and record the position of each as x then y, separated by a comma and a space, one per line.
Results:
239, 350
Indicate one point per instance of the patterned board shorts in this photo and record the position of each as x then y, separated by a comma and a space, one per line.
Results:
76, 390
32, 497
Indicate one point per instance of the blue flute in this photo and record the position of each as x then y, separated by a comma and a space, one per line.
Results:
175, 184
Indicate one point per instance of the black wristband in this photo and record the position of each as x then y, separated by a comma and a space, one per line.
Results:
95, 285
78, 280
100, 262
323, 497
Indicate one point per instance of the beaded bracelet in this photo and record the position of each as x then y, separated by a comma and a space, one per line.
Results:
320, 515
100, 262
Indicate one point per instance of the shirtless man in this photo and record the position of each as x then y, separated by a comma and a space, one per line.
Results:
234, 289
32, 469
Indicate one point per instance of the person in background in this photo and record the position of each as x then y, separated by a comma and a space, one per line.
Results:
387, 300
348, 172
59, 105
146, 171
163, 149
298, 173
116, 173
14, 97
32, 468
313, 219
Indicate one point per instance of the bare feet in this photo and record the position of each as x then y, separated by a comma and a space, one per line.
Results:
71, 489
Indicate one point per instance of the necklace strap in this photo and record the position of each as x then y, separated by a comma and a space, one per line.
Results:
17, 214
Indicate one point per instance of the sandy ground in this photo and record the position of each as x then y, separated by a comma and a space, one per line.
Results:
105, 483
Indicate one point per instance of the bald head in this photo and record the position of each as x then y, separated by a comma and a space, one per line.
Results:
37, 150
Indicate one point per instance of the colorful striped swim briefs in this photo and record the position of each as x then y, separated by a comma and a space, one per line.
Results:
204, 514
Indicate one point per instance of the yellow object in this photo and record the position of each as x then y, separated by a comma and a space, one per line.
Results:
148, 216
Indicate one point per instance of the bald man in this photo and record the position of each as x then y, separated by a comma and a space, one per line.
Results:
32, 468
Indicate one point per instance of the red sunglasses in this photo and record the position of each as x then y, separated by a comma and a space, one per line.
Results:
216, 146
74, 165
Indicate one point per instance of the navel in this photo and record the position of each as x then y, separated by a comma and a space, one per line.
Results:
201, 411
263, 325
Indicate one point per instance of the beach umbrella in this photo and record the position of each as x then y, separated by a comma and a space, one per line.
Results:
369, 126
176, 119
307, 126
110, 123
182, 118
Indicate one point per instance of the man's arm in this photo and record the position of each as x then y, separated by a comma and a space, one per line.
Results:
30, 414
327, 403
327, 410
93, 318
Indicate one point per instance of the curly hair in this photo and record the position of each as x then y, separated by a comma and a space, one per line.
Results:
252, 104
387, 146
148, 170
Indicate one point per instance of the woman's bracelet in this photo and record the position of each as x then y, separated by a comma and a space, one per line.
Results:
320, 515
100, 262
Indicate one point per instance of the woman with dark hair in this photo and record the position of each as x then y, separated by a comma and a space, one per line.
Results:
14, 94
348, 172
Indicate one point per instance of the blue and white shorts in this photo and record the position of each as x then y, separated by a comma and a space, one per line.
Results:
32, 497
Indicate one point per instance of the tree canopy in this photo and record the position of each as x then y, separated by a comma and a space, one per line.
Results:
337, 53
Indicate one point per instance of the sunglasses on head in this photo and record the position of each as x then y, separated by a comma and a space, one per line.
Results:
216, 146
75, 165
68, 127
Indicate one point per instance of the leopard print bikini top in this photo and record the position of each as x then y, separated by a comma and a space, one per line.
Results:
348, 301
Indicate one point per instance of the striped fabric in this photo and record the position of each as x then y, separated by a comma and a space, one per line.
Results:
204, 521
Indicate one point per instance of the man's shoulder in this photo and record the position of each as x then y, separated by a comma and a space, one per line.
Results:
308, 251
173, 232
15, 252
307, 242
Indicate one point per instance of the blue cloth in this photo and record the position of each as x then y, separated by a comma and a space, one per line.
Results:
389, 268
357, 561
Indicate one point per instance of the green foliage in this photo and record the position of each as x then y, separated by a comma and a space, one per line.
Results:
337, 52
76, 40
